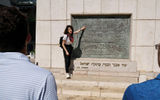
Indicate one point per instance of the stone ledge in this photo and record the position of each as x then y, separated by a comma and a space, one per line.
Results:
68, 97
107, 73
105, 65
112, 95
92, 85
122, 85
80, 83
73, 92
91, 93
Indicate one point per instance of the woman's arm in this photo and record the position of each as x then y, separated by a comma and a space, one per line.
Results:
63, 42
81, 29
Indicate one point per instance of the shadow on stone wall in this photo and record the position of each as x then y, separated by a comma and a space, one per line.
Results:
76, 53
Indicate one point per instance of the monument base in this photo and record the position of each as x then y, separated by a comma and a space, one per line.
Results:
110, 65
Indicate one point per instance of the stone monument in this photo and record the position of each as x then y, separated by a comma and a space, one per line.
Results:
106, 37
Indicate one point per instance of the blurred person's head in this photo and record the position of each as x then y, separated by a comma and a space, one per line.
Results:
14, 32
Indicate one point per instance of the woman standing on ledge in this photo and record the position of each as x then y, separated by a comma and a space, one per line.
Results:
67, 46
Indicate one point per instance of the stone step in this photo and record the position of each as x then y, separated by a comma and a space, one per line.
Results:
101, 76
91, 72
99, 73
68, 97
92, 85
86, 88
89, 94
82, 77
107, 73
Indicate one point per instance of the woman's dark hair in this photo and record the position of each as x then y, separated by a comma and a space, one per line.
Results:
13, 29
66, 30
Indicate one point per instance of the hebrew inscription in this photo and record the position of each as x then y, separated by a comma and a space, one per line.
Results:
99, 65
106, 36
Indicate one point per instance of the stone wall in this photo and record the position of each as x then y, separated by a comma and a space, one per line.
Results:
54, 15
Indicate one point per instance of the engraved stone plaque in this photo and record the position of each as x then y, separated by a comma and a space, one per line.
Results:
105, 65
106, 36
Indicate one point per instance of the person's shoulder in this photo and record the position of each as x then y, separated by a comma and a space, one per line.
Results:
135, 91
65, 35
146, 84
142, 85
37, 70
143, 89
131, 88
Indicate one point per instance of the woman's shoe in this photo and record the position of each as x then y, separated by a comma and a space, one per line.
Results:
68, 76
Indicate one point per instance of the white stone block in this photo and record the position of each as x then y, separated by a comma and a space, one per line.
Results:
157, 40
145, 32
43, 55
128, 6
95, 93
92, 6
133, 32
146, 9
116, 85
144, 58
59, 82
142, 78
80, 83
57, 57
43, 32
74, 92
43, 9
156, 67
157, 33
58, 9
74, 7
110, 6
112, 95
57, 30
59, 91
158, 9
133, 53
80, 72
68, 22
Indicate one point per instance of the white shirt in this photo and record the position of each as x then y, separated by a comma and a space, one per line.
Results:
66, 38
22, 80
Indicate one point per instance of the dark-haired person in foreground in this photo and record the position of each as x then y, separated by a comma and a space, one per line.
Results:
148, 90
19, 78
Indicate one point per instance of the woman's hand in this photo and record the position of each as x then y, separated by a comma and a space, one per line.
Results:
83, 28
67, 53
